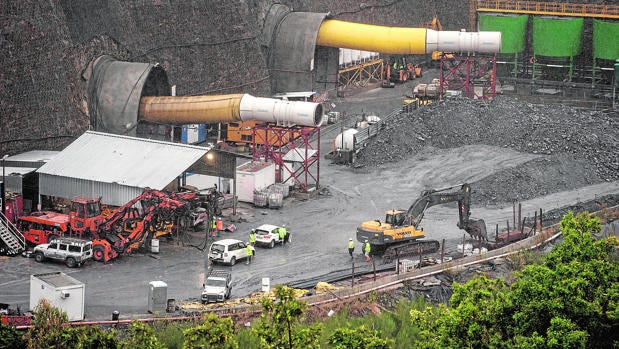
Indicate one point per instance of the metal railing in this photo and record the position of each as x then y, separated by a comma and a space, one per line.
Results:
549, 8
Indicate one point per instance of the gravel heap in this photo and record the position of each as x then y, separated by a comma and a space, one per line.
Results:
579, 147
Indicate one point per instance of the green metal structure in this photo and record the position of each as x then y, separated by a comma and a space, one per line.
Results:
513, 30
557, 37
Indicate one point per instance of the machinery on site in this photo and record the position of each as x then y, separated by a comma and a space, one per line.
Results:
84, 218
126, 228
399, 71
401, 235
130, 228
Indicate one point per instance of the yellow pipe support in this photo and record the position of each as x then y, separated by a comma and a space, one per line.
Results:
190, 109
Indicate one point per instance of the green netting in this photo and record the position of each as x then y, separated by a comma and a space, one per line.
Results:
513, 30
605, 40
557, 37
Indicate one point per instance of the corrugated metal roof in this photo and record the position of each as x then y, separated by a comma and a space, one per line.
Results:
58, 279
122, 160
11, 171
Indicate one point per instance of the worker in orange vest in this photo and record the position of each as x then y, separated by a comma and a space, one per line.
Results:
219, 225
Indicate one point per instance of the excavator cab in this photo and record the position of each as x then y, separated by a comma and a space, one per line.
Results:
395, 217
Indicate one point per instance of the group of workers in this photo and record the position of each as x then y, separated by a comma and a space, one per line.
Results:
365, 249
282, 232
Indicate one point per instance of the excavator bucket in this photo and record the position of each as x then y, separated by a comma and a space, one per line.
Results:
477, 229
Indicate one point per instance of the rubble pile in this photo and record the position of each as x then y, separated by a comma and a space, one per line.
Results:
576, 147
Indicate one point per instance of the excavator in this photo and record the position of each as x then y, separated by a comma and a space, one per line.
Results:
398, 70
401, 235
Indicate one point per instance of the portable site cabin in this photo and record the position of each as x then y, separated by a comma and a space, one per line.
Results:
61, 291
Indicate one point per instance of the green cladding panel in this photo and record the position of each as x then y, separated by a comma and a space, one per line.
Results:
605, 40
557, 37
513, 30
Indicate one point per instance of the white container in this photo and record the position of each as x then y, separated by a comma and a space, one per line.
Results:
154, 246
253, 176
266, 284
157, 296
61, 291
344, 140
406, 265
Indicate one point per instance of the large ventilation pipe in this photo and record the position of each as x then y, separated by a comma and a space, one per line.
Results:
303, 45
228, 108
395, 40
120, 94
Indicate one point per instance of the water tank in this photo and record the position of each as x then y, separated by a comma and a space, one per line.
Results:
345, 140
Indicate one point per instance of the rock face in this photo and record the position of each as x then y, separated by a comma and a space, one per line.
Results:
206, 48
573, 147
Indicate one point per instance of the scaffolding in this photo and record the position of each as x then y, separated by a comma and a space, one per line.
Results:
360, 75
475, 77
297, 162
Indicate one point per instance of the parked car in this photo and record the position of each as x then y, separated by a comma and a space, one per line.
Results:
266, 235
217, 286
73, 252
227, 251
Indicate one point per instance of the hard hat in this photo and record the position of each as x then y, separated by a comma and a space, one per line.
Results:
366, 240
284, 225
253, 230
350, 239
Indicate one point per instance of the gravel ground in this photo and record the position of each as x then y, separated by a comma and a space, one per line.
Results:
573, 147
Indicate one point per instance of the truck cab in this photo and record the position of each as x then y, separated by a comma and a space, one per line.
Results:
217, 287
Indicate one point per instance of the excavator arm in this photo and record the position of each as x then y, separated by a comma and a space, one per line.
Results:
433, 197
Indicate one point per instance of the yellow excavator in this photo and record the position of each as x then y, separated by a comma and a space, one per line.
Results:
401, 235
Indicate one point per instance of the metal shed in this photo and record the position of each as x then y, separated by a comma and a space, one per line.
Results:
117, 168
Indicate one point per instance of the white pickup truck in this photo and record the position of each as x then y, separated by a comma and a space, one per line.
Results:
217, 287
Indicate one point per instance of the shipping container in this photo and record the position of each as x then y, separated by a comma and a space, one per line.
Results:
61, 291
253, 175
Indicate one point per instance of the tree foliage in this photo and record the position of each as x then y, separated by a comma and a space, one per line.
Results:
214, 332
570, 300
10, 338
140, 335
279, 319
49, 327
360, 337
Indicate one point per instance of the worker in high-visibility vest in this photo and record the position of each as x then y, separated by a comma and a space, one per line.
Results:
366, 250
351, 247
252, 237
250, 252
213, 226
282, 234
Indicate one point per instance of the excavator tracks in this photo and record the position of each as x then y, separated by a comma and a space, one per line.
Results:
410, 248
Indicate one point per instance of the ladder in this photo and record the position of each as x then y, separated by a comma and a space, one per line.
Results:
12, 238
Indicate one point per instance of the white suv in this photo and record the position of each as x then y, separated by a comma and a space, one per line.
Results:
227, 251
266, 235
74, 252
